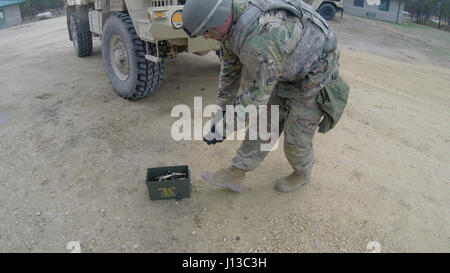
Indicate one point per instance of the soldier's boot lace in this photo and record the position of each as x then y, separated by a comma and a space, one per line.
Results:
230, 178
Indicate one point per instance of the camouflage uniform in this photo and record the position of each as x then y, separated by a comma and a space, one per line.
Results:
283, 60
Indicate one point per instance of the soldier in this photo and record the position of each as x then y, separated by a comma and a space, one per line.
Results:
273, 52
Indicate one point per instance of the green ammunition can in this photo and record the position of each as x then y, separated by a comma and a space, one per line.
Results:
167, 183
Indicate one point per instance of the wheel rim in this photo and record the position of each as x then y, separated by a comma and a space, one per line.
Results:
327, 12
74, 36
118, 57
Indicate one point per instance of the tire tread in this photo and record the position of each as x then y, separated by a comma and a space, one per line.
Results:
149, 74
84, 39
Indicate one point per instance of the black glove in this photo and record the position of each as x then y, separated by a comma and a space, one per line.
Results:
212, 137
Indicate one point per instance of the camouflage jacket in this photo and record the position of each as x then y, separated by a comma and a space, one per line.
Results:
278, 47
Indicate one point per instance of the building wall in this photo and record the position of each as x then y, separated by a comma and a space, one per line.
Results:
12, 15
394, 14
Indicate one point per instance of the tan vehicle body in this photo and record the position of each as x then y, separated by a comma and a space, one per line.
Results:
327, 8
150, 30
317, 3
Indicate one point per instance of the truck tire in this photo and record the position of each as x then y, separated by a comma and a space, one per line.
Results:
131, 75
327, 11
218, 54
82, 41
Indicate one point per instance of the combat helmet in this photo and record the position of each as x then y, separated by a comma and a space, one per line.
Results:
201, 15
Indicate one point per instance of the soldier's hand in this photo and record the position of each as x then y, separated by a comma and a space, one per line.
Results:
214, 136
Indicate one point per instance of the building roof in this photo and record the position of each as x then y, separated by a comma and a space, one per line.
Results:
5, 3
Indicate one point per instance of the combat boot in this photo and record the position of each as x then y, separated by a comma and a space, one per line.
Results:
230, 178
291, 182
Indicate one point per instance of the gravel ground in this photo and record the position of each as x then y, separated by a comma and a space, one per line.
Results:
73, 156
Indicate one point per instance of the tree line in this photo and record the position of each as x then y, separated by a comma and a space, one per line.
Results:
32, 7
422, 10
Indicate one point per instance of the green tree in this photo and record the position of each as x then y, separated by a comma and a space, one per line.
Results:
445, 11
421, 10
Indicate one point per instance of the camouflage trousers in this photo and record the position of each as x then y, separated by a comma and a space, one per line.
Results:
299, 118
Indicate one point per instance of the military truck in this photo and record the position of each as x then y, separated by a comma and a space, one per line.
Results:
327, 8
137, 35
